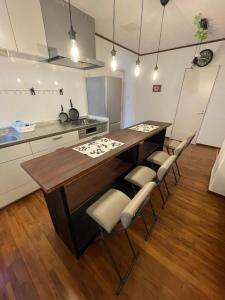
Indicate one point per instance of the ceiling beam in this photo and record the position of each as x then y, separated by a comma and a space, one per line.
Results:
107, 39
160, 51
184, 46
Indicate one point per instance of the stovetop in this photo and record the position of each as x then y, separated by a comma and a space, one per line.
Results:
84, 121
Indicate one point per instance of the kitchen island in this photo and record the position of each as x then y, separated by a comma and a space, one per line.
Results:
71, 181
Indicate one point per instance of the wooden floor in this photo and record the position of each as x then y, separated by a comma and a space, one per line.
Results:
184, 258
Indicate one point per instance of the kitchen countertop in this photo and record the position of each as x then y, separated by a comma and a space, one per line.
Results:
42, 130
54, 170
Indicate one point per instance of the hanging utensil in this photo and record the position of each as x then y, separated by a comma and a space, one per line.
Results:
73, 112
63, 117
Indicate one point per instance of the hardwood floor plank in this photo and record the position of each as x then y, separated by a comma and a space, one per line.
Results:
183, 259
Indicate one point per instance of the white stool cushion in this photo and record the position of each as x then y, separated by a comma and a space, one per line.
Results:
158, 157
134, 205
107, 209
140, 176
172, 144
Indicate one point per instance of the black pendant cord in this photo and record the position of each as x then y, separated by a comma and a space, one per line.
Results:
114, 10
140, 32
71, 25
160, 35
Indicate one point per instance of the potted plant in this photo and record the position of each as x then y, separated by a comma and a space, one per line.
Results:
201, 24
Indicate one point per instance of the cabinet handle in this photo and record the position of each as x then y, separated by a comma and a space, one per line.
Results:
57, 138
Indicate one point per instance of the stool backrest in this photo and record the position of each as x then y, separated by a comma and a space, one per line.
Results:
165, 167
180, 148
136, 204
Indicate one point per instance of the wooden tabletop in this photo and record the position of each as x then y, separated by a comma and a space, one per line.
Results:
55, 169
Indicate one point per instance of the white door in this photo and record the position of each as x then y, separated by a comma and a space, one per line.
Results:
194, 98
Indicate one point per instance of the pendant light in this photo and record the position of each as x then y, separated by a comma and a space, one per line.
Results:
155, 73
113, 52
137, 68
74, 51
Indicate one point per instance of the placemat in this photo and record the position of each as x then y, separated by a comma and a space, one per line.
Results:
144, 127
99, 147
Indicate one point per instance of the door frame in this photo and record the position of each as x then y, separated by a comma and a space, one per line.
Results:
207, 105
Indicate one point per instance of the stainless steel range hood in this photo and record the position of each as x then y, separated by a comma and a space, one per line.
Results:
56, 23
84, 63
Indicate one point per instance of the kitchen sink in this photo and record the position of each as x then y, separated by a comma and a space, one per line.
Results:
7, 138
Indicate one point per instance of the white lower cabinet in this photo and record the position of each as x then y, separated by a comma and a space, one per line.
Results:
12, 175
53, 143
17, 193
15, 183
14, 152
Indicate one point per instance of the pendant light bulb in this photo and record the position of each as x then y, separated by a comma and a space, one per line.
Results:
74, 51
155, 73
137, 68
113, 61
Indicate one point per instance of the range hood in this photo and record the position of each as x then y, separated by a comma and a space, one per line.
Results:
57, 25
84, 63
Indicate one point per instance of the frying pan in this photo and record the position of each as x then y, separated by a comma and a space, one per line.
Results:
63, 117
73, 112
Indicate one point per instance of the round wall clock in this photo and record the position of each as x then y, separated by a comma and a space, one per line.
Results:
204, 59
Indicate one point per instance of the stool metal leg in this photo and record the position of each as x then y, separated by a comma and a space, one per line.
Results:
178, 170
131, 265
111, 256
150, 228
162, 197
165, 183
122, 279
174, 174
145, 225
130, 244
153, 210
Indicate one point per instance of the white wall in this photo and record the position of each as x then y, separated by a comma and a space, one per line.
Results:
42, 107
162, 106
142, 104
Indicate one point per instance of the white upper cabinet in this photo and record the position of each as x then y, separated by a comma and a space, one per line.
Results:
7, 40
27, 23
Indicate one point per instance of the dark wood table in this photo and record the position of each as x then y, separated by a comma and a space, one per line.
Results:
72, 181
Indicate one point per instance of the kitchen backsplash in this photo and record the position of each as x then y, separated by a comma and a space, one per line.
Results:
17, 76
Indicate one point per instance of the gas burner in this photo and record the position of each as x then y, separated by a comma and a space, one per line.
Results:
84, 121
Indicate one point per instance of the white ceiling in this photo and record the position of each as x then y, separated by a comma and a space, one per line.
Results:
178, 27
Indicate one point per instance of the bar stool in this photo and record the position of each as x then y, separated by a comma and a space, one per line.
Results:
159, 157
173, 144
114, 207
140, 175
